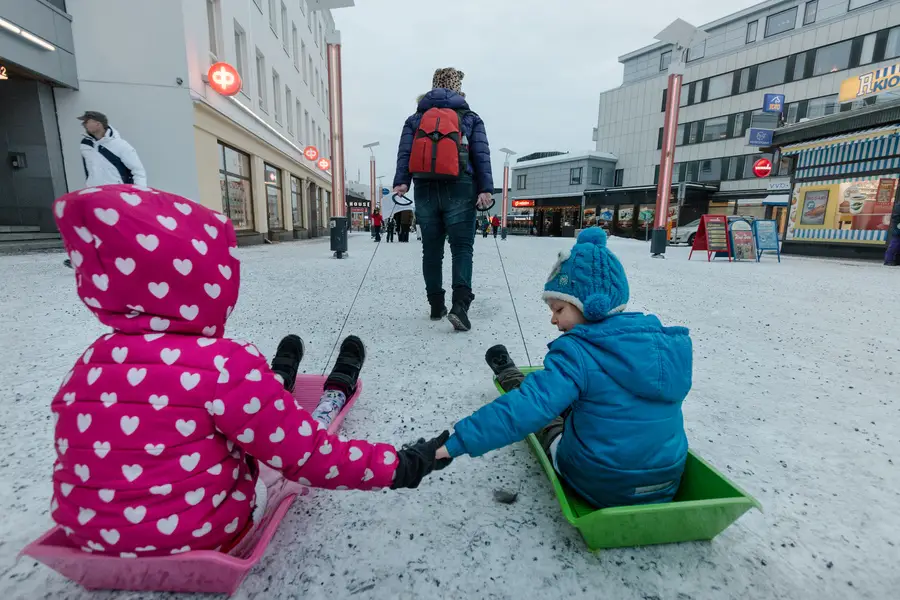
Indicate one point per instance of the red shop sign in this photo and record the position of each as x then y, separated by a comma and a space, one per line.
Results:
762, 167
324, 164
311, 153
224, 79
523, 203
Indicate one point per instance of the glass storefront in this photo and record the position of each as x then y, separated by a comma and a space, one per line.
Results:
297, 203
273, 197
236, 187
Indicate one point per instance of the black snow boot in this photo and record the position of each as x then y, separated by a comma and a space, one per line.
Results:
438, 306
287, 360
68, 263
346, 369
459, 312
508, 374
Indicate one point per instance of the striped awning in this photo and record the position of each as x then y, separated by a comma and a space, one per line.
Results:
863, 151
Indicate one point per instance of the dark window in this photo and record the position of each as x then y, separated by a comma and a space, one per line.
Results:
694, 132
781, 22
746, 123
711, 169
693, 171
521, 181
867, 52
771, 73
799, 66
854, 4
664, 96
715, 129
738, 129
664, 60
659, 141
744, 81
596, 176
679, 135
809, 16
752, 26
273, 197
821, 107
655, 174
685, 94
619, 178
833, 58
792, 112
575, 176
892, 50
719, 86
735, 168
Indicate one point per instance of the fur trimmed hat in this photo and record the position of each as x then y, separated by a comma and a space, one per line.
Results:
590, 277
449, 79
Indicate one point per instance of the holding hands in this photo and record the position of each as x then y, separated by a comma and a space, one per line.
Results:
420, 459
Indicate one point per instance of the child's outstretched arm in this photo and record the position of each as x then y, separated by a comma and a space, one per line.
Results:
254, 411
541, 397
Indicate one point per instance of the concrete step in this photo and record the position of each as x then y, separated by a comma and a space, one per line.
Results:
19, 229
31, 246
25, 237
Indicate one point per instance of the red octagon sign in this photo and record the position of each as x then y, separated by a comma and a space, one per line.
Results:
324, 164
224, 79
311, 153
762, 167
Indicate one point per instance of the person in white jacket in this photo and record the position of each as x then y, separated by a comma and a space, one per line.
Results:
108, 159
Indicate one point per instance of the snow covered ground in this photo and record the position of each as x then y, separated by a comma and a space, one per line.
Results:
794, 398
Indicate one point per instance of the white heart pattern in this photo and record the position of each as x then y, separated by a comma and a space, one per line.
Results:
209, 331
136, 375
303, 460
83, 473
189, 312
221, 217
101, 282
93, 375
66, 489
159, 402
161, 490
279, 404
126, 266
203, 343
389, 457
190, 380
252, 407
92, 302
238, 495
109, 216
76, 257
189, 462
85, 515
254, 375
213, 290
169, 356
69, 398
86, 357
167, 526
160, 290
219, 498
225, 270
332, 472
305, 429
369, 475
181, 550
135, 514
147, 242
131, 199
232, 527
132, 472
185, 428
207, 527
155, 449
215, 408
84, 421
60, 208
101, 449
194, 498
183, 266
84, 233
355, 453
108, 399
110, 536
215, 469
127, 555
278, 436
119, 354
167, 222
325, 448
275, 462
246, 437
106, 495
211, 231
152, 337
200, 246
159, 324
184, 209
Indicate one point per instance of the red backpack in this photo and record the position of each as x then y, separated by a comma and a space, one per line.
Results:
440, 150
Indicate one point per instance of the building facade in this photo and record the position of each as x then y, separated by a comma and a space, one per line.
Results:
802, 49
145, 66
554, 189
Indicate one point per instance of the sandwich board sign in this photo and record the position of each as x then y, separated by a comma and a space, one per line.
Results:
765, 232
712, 236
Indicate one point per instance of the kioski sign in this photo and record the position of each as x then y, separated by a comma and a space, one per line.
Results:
868, 84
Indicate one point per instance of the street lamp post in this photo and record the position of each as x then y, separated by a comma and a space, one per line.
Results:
681, 35
505, 209
371, 148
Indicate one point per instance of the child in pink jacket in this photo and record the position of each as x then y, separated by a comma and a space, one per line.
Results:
160, 422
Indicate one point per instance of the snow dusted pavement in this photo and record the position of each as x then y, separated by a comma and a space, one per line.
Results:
795, 399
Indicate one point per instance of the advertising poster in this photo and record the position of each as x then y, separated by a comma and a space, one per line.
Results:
765, 233
815, 204
742, 240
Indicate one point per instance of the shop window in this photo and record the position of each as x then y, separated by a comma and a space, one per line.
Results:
771, 73
575, 176
814, 207
854, 4
781, 22
236, 187
821, 107
276, 96
273, 197
892, 49
809, 15
867, 54
719, 86
744, 81
297, 203
752, 28
833, 58
521, 182
596, 176
273, 18
715, 129
664, 60
214, 25
619, 179
261, 80
240, 53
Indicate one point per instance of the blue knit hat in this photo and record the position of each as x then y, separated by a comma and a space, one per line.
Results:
590, 277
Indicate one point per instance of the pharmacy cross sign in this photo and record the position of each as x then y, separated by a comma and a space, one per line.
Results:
224, 79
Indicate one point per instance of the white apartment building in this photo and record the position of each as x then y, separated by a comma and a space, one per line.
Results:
802, 49
145, 64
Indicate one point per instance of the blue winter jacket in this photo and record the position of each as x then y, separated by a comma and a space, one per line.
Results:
625, 378
472, 128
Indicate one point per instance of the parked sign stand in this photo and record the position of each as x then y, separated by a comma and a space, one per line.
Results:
712, 236
765, 232
741, 232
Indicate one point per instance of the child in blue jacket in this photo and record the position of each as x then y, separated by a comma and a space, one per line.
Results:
607, 405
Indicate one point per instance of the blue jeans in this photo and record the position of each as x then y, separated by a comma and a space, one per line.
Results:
446, 210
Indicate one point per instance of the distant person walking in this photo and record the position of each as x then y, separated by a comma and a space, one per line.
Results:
107, 158
377, 222
892, 256
444, 149
390, 230
495, 224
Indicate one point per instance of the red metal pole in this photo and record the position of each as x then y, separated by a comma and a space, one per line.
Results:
666, 165
505, 209
372, 183
336, 114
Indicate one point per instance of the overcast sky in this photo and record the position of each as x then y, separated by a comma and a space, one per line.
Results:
534, 68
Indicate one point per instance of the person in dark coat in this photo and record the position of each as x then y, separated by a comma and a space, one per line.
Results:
892, 255
446, 208
390, 230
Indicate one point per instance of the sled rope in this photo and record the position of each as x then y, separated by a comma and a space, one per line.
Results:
513, 300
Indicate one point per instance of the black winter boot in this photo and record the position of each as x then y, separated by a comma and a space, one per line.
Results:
459, 312
438, 306
346, 369
287, 360
508, 374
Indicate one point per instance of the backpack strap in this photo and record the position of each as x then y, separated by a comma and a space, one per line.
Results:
124, 172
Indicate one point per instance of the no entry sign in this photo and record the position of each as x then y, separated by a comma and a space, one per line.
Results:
762, 167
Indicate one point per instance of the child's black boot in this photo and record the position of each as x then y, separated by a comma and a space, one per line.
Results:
287, 360
346, 369
508, 374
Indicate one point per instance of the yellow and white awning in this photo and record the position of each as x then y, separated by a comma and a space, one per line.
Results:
875, 149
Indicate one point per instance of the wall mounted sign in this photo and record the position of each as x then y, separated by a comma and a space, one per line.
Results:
224, 79
311, 153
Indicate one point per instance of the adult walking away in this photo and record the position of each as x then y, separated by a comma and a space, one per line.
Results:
377, 222
390, 230
444, 149
106, 157
892, 256
495, 225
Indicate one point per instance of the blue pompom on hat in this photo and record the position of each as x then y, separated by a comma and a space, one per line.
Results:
590, 277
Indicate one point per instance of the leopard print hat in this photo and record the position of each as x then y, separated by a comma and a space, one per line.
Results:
448, 78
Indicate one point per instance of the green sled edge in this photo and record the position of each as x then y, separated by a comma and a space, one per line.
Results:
705, 505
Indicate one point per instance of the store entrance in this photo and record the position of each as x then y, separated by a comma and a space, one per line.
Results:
559, 221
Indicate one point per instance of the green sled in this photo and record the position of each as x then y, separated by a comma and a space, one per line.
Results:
705, 505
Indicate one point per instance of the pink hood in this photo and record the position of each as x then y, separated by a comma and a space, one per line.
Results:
167, 267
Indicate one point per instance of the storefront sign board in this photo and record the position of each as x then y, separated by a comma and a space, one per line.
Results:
765, 233
742, 244
773, 103
872, 82
712, 236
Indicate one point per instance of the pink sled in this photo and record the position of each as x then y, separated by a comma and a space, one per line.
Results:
205, 571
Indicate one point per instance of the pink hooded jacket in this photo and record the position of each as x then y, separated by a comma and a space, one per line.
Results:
157, 421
